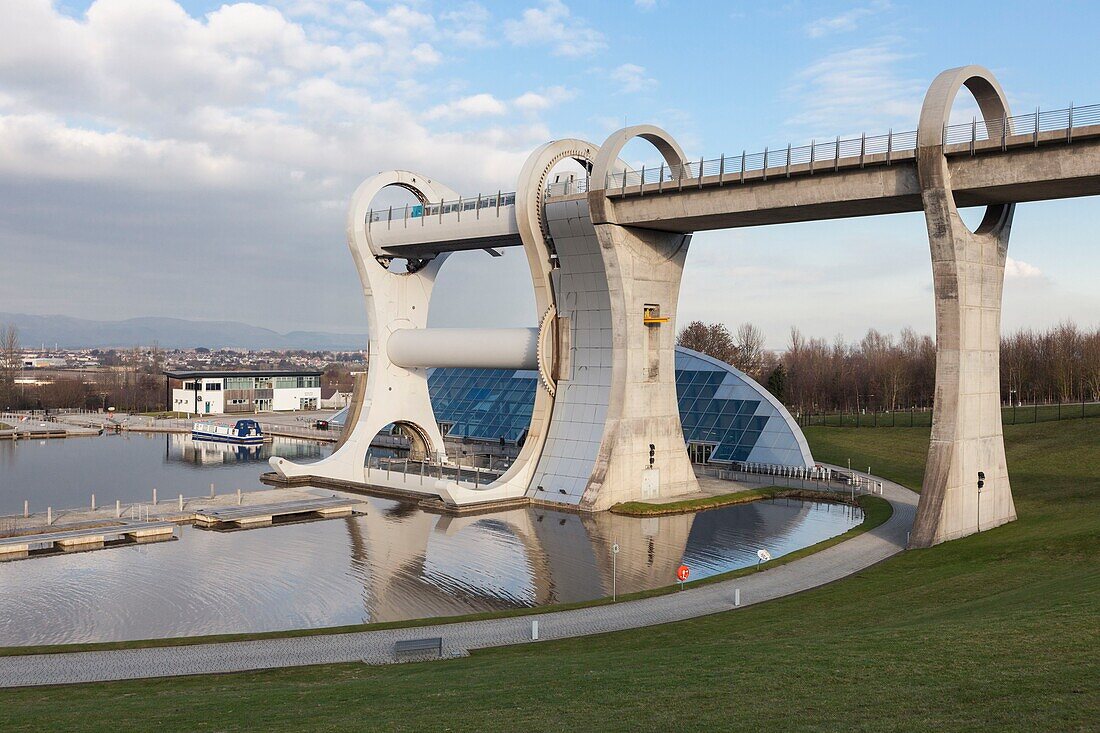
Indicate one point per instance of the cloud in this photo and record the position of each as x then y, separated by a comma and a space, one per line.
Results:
844, 22
632, 78
468, 25
477, 105
645, 4
538, 101
856, 90
1020, 270
138, 128
554, 25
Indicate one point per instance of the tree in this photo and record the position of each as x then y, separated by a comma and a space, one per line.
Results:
777, 382
711, 339
10, 364
749, 356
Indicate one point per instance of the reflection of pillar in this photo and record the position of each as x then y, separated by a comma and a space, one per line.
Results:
650, 549
968, 275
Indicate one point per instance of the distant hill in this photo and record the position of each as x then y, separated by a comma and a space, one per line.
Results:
170, 333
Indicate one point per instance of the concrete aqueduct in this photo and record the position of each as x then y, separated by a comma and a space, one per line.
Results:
606, 257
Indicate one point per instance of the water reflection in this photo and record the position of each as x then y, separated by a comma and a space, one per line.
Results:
396, 562
65, 473
180, 447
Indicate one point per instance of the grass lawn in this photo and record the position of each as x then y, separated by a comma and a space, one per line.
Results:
997, 631
647, 509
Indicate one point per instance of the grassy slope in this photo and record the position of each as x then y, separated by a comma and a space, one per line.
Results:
993, 632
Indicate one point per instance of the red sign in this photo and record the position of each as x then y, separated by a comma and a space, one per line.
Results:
682, 573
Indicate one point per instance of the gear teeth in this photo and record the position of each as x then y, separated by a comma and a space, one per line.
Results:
548, 322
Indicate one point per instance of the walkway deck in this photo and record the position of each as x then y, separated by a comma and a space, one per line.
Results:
265, 513
815, 570
84, 537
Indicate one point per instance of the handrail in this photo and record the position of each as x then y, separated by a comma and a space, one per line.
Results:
819, 156
822, 156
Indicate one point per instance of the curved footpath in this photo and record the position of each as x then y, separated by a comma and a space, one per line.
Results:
817, 569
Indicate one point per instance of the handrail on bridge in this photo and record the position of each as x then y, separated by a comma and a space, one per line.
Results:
827, 155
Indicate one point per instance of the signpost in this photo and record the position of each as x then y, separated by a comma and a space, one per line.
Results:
682, 574
764, 555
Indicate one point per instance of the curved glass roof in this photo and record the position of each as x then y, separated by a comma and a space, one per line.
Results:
720, 406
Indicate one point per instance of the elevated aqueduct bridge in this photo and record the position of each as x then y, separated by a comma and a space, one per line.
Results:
606, 255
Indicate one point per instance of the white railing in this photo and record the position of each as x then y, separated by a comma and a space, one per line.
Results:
814, 477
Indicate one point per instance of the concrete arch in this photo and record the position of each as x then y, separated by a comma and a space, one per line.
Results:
394, 301
666, 145
358, 228
968, 279
934, 117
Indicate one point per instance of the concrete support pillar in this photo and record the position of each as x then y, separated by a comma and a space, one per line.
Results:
636, 281
644, 269
968, 276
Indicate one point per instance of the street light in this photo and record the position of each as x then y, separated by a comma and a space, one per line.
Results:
614, 572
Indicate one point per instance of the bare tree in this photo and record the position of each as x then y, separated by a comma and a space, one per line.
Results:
10, 364
750, 356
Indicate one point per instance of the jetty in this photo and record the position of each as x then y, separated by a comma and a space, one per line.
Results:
84, 538
264, 514
98, 527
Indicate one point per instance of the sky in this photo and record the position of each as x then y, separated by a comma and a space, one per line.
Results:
195, 159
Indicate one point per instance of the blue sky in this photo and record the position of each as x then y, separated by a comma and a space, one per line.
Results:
194, 159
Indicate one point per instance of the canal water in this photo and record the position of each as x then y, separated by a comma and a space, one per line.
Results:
64, 473
395, 562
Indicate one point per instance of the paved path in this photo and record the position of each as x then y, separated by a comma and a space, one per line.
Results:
822, 567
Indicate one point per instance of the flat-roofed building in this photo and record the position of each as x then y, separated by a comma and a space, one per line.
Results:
236, 392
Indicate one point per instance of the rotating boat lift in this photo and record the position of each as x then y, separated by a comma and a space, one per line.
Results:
605, 426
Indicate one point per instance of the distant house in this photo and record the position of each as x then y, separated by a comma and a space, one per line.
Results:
333, 399
235, 392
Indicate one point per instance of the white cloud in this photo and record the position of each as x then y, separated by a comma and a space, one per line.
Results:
844, 22
1020, 270
632, 78
468, 25
538, 101
476, 105
137, 126
645, 4
553, 24
856, 90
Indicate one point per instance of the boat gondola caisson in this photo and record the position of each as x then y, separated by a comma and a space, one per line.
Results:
245, 432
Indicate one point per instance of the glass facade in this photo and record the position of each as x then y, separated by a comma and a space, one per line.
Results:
726, 416
484, 404
723, 408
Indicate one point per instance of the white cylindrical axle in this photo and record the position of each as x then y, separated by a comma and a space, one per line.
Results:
474, 348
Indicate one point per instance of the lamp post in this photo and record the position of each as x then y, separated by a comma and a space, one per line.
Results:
614, 572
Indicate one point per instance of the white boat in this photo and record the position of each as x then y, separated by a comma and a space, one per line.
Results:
245, 432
